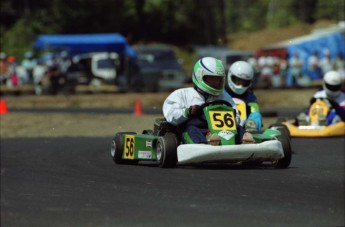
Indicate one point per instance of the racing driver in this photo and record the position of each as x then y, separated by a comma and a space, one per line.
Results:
239, 80
333, 95
182, 107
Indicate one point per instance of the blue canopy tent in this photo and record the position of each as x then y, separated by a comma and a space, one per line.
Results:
333, 41
305, 46
80, 44
84, 43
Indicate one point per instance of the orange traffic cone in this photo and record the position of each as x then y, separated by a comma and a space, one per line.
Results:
138, 109
3, 107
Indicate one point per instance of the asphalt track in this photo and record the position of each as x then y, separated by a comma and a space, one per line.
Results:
74, 182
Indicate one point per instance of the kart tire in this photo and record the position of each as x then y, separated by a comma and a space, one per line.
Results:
281, 128
117, 146
284, 162
167, 150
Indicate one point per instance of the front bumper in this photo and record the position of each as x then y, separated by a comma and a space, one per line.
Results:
198, 153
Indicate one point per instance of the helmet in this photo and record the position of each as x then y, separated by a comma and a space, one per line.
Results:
209, 76
240, 77
332, 84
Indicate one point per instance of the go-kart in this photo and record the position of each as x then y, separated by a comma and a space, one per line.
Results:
164, 145
313, 125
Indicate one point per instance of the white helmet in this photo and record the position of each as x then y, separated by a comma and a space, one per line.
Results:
240, 77
209, 76
332, 84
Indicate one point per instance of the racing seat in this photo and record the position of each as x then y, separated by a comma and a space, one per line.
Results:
162, 127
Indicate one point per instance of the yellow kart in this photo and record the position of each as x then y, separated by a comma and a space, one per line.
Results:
314, 125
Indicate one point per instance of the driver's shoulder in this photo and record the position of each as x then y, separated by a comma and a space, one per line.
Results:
341, 99
223, 96
320, 94
182, 92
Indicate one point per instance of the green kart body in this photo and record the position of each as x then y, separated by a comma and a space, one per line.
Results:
164, 146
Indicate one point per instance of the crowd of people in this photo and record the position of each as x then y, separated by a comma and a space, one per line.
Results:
8, 74
275, 71
49, 76
46, 75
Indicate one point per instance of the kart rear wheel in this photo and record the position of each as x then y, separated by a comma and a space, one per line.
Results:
117, 146
284, 162
167, 150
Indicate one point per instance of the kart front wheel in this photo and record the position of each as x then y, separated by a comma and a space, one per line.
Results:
284, 162
117, 146
281, 128
167, 150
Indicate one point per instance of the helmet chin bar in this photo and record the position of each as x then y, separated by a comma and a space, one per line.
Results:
333, 94
238, 89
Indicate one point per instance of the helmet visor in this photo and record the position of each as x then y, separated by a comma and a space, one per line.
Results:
216, 82
333, 87
239, 81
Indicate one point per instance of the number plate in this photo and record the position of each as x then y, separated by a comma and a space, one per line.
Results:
318, 108
242, 110
222, 120
128, 152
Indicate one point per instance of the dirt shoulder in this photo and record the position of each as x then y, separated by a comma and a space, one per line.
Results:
58, 124
266, 98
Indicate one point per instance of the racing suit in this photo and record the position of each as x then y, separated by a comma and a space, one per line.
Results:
174, 111
252, 107
337, 113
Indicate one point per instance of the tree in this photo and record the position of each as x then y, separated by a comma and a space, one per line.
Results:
179, 22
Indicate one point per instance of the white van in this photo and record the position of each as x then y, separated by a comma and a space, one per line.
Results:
101, 65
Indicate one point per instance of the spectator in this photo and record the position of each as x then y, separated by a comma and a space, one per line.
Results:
326, 62
314, 66
12, 72
4, 69
339, 66
71, 75
253, 61
276, 80
283, 63
29, 63
265, 63
54, 76
295, 65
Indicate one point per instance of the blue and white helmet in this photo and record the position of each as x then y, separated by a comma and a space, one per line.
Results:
209, 75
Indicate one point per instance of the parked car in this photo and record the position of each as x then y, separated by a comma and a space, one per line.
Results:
226, 55
158, 68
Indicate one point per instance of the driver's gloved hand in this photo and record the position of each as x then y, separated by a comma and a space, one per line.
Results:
250, 126
193, 111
